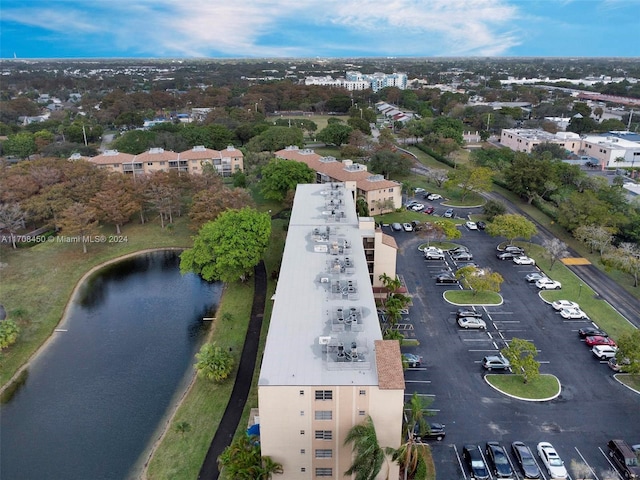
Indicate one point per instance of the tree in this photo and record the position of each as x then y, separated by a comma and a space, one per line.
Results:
368, 455
208, 204
335, 134
556, 249
115, 203
521, 354
526, 176
629, 348
79, 221
511, 226
493, 208
21, 145
438, 176
228, 247
584, 208
480, 280
595, 237
276, 138
280, 176
625, 258
390, 164
182, 428
214, 363
411, 454
9, 332
11, 219
242, 460
470, 179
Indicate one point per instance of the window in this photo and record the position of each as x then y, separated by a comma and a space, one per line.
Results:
150, 164
301, 432
324, 415
324, 472
162, 163
324, 453
302, 413
302, 469
301, 392
363, 392
303, 451
361, 413
324, 394
324, 435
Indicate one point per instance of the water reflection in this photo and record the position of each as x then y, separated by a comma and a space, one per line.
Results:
92, 400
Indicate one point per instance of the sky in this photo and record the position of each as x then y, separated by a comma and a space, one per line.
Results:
318, 28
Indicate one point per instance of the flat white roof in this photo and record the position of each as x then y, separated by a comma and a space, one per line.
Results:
324, 321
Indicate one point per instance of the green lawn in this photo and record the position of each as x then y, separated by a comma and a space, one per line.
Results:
632, 381
542, 387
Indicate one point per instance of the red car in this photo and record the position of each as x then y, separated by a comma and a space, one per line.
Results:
429, 209
599, 340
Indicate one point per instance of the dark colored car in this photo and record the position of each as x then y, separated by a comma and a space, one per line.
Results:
466, 256
525, 460
467, 312
458, 249
592, 332
446, 278
434, 432
481, 225
506, 255
473, 456
498, 460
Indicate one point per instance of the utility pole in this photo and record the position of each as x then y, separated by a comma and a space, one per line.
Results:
629, 123
488, 121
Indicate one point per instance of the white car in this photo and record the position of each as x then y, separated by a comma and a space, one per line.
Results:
407, 227
471, 225
572, 313
551, 460
416, 207
534, 277
472, 322
434, 196
419, 190
561, 304
548, 284
523, 260
433, 253
604, 352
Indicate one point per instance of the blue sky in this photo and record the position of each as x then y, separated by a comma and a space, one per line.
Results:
318, 28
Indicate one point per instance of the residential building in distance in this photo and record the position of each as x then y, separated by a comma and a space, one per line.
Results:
381, 195
358, 81
226, 162
525, 139
325, 366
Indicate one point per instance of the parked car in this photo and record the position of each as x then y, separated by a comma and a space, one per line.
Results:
472, 322
419, 190
448, 213
598, 340
446, 278
416, 207
407, 227
433, 253
411, 360
471, 225
534, 277
560, 304
551, 460
481, 225
572, 313
410, 204
525, 460
458, 249
591, 332
617, 366
462, 256
429, 209
467, 312
434, 196
396, 227
435, 431
523, 260
496, 362
498, 460
473, 457
624, 458
604, 352
548, 284
506, 255
513, 248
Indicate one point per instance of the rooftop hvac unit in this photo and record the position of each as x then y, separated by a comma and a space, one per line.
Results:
324, 279
324, 340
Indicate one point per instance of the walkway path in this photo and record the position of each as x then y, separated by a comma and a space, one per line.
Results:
233, 413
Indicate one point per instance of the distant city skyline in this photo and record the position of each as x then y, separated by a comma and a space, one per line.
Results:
318, 28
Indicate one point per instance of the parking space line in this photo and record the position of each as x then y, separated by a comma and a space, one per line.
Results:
464, 474
613, 468
587, 464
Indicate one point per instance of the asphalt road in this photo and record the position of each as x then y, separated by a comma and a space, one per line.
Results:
591, 409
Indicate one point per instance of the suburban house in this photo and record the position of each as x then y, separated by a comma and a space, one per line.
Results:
325, 366
381, 195
225, 162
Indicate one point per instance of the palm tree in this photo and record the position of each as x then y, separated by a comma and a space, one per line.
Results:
368, 455
269, 468
410, 455
182, 428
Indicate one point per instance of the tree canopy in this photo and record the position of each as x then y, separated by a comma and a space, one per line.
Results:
511, 226
229, 247
521, 354
280, 176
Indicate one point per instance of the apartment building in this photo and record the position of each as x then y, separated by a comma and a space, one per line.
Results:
226, 162
357, 81
325, 366
381, 195
525, 140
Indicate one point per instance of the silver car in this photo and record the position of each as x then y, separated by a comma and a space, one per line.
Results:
472, 322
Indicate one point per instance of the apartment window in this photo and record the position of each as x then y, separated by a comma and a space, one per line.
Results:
324, 453
361, 413
324, 435
301, 432
162, 163
324, 472
302, 469
301, 392
302, 413
150, 164
363, 392
324, 394
324, 415
303, 451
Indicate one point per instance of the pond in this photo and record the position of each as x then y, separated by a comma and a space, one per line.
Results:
96, 397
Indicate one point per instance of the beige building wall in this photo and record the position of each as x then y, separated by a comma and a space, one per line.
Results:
385, 260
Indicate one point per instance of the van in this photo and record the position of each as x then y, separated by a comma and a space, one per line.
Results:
624, 458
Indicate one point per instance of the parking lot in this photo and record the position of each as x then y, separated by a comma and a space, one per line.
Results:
591, 409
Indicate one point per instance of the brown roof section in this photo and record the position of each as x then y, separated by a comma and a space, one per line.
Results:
157, 155
389, 241
199, 154
336, 170
112, 157
389, 365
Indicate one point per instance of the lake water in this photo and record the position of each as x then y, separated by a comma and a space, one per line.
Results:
94, 399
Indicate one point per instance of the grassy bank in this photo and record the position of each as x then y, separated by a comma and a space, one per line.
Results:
37, 282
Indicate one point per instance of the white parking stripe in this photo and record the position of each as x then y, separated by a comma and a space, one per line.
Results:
464, 474
587, 464
613, 468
